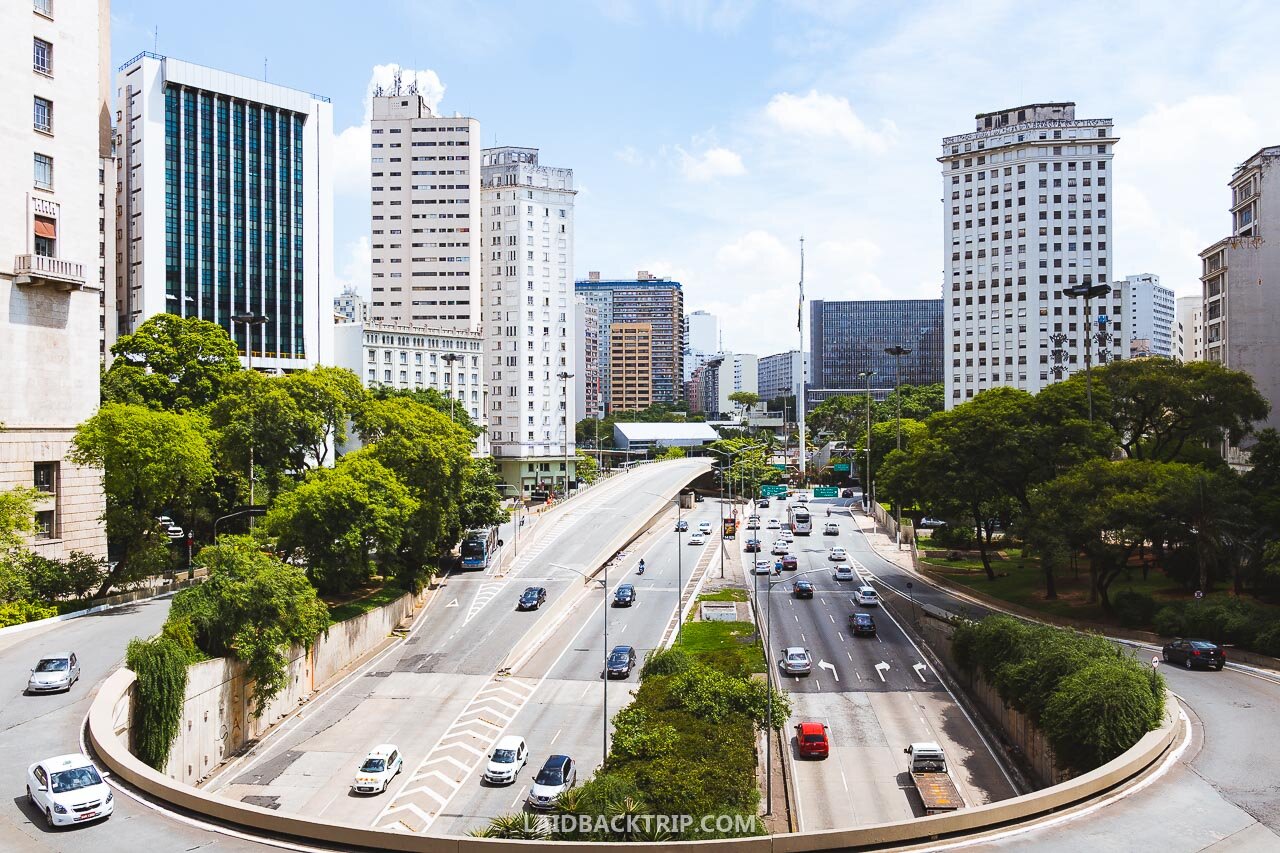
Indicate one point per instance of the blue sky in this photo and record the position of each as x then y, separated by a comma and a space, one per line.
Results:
708, 135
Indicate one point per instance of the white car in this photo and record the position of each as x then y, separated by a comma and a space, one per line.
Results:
380, 766
831, 529
844, 573
796, 661
753, 523
508, 758
838, 554
764, 567
705, 527
773, 524
68, 789
866, 596
803, 498
779, 548
785, 535
696, 538
54, 672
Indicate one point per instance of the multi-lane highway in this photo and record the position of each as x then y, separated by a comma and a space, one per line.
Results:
874, 694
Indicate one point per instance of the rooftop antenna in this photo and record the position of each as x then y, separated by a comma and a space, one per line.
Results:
395, 82
264, 69
155, 44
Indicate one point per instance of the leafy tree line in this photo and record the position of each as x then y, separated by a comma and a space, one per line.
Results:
845, 419
1142, 483
181, 419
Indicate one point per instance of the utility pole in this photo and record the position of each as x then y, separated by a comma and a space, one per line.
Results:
449, 358
250, 320
564, 379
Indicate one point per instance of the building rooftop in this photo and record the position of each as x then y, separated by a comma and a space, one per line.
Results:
668, 431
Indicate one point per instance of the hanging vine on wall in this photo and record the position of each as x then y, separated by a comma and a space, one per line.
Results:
161, 668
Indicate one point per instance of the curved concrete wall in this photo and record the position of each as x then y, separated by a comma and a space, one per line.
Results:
108, 730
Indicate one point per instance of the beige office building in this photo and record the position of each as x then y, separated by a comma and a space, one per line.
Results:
631, 366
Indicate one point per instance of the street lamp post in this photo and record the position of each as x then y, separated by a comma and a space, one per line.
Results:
449, 359
723, 477
250, 319
1088, 291
564, 378
604, 587
866, 487
898, 352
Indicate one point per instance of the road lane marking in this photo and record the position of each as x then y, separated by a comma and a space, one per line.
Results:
824, 665
555, 737
832, 618
881, 668
844, 782
841, 636
519, 796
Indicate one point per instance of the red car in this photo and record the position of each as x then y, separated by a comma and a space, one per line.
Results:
811, 740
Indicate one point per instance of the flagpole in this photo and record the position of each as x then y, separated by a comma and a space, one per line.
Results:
800, 403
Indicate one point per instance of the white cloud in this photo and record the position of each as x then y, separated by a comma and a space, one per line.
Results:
354, 268
629, 155
820, 115
712, 163
351, 145
717, 15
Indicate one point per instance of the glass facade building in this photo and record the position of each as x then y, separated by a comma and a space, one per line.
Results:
848, 338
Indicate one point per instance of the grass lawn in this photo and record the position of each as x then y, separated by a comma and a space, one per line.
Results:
729, 593
344, 607
700, 638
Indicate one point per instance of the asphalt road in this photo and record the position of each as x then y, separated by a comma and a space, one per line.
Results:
875, 695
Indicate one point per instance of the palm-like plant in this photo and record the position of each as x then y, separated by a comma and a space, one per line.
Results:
517, 826
628, 808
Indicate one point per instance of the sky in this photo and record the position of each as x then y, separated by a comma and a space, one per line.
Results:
708, 136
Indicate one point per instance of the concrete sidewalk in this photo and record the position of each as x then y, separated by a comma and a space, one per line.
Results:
881, 542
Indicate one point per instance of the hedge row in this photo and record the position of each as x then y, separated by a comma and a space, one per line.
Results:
1090, 699
1223, 620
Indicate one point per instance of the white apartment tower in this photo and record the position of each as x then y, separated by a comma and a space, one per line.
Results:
1148, 313
529, 316
54, 83
225, 203
1189, 329
425, 182
701, 340
1027, 215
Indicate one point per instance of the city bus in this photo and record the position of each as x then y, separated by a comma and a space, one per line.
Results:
799, 520
479, 548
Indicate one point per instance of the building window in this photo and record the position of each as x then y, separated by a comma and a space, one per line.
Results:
44, 172
42, 56
45, 475
42, 114
44, 7
44, 524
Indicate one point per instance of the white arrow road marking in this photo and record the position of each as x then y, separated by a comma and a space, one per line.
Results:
824, 665
920, 668
881, 668
453, 603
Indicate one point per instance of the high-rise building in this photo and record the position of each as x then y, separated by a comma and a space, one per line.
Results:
780, 374
725, 374
647, 299
701, 340
1148, 308
424, 243
1189, 329
52, 260
848, 338
1241, 282
226, 207
351, 306
1027, 215
587, 384
630, 366
527, 275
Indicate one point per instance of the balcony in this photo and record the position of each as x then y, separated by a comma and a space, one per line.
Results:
43, 270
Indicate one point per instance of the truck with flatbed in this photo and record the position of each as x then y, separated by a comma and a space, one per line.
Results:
928, 768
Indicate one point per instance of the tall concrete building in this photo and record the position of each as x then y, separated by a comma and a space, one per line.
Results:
780, 374
1241, 280
351, 306
527, 275
225, 202
725, 374
425, 180
1027, 214
646, 299
1189, 329
589, 368
1148, 311
850, 337
53, 260
701, 340
630, 366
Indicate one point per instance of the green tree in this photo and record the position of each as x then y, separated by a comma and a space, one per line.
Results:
252, 607
430, 397
17, 516
673, 452
149, 460
171, 363
1101, 710
480, 499
588, 470
160, 665
339, 518
256, 412
329, 398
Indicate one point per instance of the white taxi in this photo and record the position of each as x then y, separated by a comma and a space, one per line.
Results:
380, 766
68, 789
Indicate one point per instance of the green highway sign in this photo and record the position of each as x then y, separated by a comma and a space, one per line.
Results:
780, 467
840, 467
772, 491
824, 491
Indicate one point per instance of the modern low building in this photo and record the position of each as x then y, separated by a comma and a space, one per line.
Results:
635, 437
1148, 314
54, 147
225, 205
645, 299
630, 366
848, 338
1241, 283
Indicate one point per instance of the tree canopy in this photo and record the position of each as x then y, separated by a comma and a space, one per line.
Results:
171, 363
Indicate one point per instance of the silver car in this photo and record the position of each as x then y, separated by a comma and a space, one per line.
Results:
54, 672
796, 661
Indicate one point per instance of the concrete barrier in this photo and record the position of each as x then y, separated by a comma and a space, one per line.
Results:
108, 730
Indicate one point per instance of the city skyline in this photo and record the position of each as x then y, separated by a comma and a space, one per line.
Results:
837, 92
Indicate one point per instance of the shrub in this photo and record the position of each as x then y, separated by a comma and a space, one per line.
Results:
1100, 711
161, 668
1133, 609
670, 662
951, 536
24, 610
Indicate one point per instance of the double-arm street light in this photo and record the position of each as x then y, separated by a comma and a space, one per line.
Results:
564, 378
449, 359
604, 587
723, 478
250, 320
1089, 292
866, 487
898, 352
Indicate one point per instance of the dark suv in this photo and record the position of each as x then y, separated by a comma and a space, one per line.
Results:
862, 624
1193, 653
802, 589
625, 595
532, 598
621, 661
